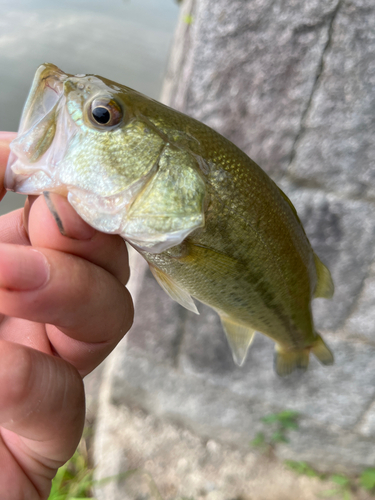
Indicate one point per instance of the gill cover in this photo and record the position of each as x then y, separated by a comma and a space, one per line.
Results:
81, 136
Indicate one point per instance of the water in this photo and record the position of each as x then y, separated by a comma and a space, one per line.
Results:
127, 41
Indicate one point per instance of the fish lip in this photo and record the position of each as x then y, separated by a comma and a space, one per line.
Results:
46, 92
47, 76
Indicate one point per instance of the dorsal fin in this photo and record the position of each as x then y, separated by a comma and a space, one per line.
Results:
289, 203
239, 338
324, 287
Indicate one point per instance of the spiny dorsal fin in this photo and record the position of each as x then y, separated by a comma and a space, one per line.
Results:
324, 287
173, 290
239, 338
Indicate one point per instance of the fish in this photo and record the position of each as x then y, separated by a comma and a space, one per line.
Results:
208, 220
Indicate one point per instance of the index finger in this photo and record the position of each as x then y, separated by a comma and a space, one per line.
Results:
5, 139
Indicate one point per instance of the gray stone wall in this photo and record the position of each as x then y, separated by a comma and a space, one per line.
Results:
292, 83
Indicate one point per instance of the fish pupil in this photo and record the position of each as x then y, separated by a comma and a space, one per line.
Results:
101, 115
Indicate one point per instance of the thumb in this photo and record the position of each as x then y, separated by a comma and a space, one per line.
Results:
5, 139
42, 411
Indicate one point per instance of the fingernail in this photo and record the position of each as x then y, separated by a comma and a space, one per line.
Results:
68, 221
22, 268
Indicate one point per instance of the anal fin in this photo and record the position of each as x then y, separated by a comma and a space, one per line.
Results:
239, 338
173, 290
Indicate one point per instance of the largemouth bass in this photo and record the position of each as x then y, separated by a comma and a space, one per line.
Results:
210, 223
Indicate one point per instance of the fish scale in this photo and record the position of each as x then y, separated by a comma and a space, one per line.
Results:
209, 221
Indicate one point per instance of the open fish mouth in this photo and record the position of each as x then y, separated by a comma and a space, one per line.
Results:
33, 153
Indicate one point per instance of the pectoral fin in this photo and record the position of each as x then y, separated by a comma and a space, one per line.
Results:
239, 338
324, 287
173, 290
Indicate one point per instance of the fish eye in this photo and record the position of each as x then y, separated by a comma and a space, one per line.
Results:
101, 115
105, 112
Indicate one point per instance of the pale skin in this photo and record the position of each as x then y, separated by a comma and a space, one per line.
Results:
63, 308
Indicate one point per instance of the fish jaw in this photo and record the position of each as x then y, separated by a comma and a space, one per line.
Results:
51, 118
37, 147
108, 174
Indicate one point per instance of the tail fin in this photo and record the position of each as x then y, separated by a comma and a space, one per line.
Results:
287, 361
322, 352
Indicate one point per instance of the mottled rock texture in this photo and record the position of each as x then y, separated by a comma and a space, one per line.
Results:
291, 83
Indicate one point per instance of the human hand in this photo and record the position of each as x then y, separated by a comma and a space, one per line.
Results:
63, 308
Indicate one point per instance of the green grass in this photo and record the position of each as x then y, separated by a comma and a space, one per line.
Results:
75, 478
302, 468
188, 19
367, 480
280, 424
345, 486
277, 430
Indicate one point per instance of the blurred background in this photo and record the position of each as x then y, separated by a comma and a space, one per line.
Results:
127, 41
293, 85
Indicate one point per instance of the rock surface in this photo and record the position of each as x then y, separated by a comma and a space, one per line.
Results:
292, 84
340, 117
